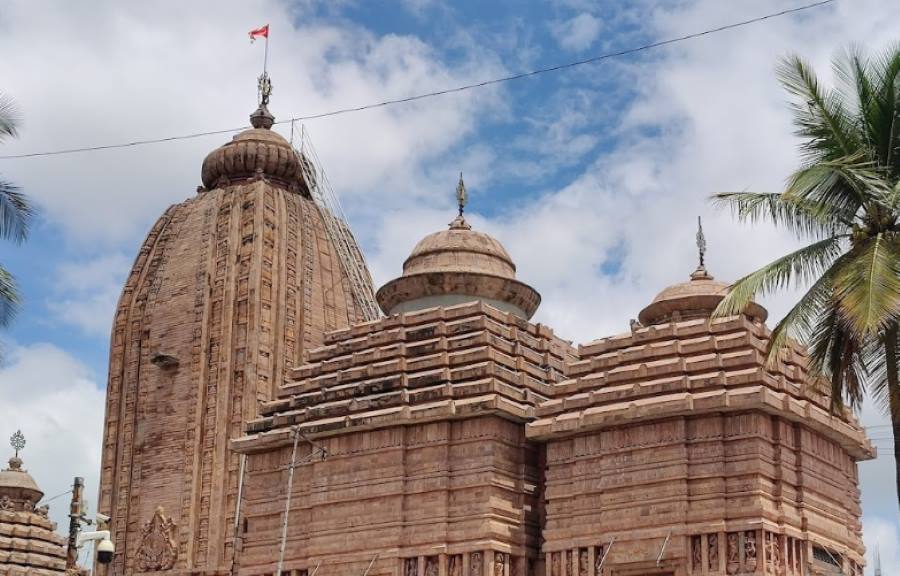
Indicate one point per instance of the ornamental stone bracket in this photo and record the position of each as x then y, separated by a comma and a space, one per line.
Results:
158, 550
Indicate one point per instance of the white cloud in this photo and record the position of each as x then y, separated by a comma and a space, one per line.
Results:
87, 292
54, 399
158, 69
578, 33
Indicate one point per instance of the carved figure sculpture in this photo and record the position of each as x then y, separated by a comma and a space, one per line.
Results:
411, 567
696, 553
454, 566
712, 544
734, 562
476, 564
431, 566
773, 552
750, 550
158, 550
499, 564
5, 503
568, 570
554, 564
583, 562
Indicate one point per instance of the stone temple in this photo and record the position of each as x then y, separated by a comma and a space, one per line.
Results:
259, 419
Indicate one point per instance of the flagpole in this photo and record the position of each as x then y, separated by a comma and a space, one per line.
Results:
266, 55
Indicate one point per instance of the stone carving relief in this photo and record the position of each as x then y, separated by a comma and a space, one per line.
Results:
499, 564
734, 560
476, 564
697, 553
712, 544
583, 562
555, 563
431, 566
773, 552
568, 570
158, 550
750, 561
454, 565
411, 567
5, 503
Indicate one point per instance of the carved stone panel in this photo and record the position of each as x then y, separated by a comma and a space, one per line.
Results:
476, 564
158, 550
697, 554
583, 565
712, 554
555, 563
733, 559
431, 566
454, 565
750, 554
499, 564
773, 552
411, 567
568, 570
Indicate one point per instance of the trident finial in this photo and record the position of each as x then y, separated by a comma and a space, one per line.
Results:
17, 441
701, 243
461, 196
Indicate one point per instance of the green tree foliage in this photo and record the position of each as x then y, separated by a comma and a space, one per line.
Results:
15, 215
843, 203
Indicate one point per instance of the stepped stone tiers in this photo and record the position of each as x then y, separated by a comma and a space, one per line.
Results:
421, 416
228, 292
29, 544
673, 449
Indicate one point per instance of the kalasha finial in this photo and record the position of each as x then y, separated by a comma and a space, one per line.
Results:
17, 441
461, 196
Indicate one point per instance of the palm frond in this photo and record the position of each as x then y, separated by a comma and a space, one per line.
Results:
9, 118
15, 213
804, 218
842, 185
868, 288
799, 267
882, 111
836, 353
799, 322
878, 383
9, 297
821, 116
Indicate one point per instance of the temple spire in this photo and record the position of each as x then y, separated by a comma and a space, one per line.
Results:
700, 272
461, 196
17, 441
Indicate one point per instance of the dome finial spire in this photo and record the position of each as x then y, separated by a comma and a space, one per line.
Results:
459, 223
700, 272
461, 195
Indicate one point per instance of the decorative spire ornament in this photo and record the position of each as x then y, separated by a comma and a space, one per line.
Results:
17, 441
701, 243
461, 195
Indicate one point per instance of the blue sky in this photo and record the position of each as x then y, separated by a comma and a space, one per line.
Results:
592, 177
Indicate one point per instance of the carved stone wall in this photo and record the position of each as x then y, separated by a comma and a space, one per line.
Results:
227, 292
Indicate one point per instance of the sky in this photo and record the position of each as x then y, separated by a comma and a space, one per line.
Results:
592, 177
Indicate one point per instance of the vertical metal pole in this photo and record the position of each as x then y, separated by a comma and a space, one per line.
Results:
74, 524
266, 55
287, 502
237, 513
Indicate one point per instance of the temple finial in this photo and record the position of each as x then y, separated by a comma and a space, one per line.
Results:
461, 196
17, 441
701, 243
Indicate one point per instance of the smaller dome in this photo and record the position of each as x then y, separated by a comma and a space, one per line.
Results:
455, 266
17, 484
460, 249
255, 152
696, 298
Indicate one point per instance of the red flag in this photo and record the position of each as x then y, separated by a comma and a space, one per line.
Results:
264, 32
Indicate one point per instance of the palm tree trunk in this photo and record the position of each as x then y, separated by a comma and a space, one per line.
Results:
893, 379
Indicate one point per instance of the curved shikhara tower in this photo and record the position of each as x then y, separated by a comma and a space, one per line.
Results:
228, 291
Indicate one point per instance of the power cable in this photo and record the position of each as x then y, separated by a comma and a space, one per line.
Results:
457, 89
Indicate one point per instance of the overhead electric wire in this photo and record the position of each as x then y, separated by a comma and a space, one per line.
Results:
457, 89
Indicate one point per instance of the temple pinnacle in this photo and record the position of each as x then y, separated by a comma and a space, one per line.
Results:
17, 441
701, 243
461, 196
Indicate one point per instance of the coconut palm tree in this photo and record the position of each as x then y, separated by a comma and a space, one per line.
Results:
15, 215
843, 203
